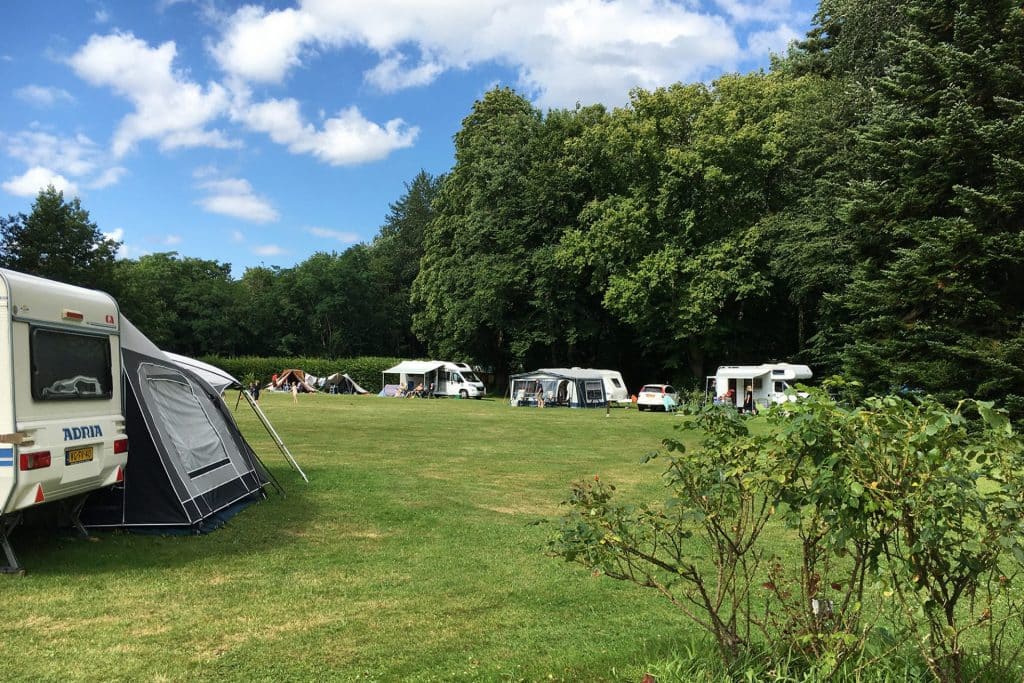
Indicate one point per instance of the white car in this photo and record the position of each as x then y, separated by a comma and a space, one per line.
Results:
657, 397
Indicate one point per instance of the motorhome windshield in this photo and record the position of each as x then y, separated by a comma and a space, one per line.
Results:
69, 365
469, 376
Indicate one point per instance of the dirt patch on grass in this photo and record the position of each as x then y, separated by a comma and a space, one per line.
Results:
525, 509
52, 626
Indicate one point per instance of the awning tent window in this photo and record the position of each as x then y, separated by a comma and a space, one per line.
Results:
182, 420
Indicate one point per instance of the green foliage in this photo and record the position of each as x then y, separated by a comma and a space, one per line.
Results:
905, 524
57, 240
365, 370
933, 209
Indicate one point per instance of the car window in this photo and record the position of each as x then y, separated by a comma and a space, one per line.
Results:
652, 387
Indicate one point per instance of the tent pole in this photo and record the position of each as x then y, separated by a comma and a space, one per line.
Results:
270, 430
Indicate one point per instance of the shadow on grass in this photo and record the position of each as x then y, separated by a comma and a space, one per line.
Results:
266, 527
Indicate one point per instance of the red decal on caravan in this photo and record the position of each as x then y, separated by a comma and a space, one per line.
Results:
39, 494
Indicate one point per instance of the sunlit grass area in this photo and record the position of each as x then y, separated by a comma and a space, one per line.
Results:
412, 554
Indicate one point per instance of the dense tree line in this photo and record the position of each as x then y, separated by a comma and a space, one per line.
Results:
857, 207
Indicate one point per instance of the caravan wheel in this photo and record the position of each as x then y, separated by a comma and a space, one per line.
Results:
463, 393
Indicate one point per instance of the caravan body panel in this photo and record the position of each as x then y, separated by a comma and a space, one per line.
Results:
61, 409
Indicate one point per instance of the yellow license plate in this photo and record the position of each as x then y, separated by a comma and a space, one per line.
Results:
77, 455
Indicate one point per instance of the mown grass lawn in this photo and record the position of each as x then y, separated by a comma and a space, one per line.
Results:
410, 555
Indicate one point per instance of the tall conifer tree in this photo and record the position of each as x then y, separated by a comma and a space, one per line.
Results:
935, 208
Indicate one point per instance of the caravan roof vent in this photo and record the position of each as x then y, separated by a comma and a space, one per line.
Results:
68, 314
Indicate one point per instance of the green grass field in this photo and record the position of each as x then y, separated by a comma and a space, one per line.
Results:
411, 555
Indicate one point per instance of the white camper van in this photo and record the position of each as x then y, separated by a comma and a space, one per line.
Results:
769, 383
446, 378
62, 427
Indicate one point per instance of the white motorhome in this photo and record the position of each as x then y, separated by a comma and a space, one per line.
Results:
769, 383
62, 427
438, 378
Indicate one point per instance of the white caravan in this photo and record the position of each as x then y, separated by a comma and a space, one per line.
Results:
62, 427
769, 383
615, 390
438, 377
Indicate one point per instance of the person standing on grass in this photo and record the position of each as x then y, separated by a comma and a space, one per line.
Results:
295, 392
254, 389
540, 395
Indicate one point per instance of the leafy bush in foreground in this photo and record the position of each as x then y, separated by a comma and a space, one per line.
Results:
893, 522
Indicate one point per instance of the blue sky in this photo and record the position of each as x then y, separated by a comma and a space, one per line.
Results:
262, 133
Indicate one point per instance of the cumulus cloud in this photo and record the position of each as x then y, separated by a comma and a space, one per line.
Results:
564, 51
110, 176
348, 138
341, 236
268, 250
76, 155
35, 179
235, 197
169, 108
43, 96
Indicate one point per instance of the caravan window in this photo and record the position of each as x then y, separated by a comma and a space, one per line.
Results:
469, 376
616, 383
595, 391
69, 365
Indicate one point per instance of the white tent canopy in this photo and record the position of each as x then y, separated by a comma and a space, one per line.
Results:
414, 367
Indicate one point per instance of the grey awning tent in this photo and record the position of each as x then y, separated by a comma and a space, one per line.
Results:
221, 381
188, 464
572, 387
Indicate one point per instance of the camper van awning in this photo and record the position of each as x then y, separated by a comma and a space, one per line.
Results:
414, 367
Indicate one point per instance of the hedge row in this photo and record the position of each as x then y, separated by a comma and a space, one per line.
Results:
365, 370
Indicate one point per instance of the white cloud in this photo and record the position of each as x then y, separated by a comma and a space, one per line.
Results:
762, 43
235, 197
125, 251
391, 74
37, 178
237, 236
341, 236
263, 46
564, 51
348, 138
268, 250
43, 96
109, 177
76, 156
169, 108
171, 240
101, 16
762, 10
